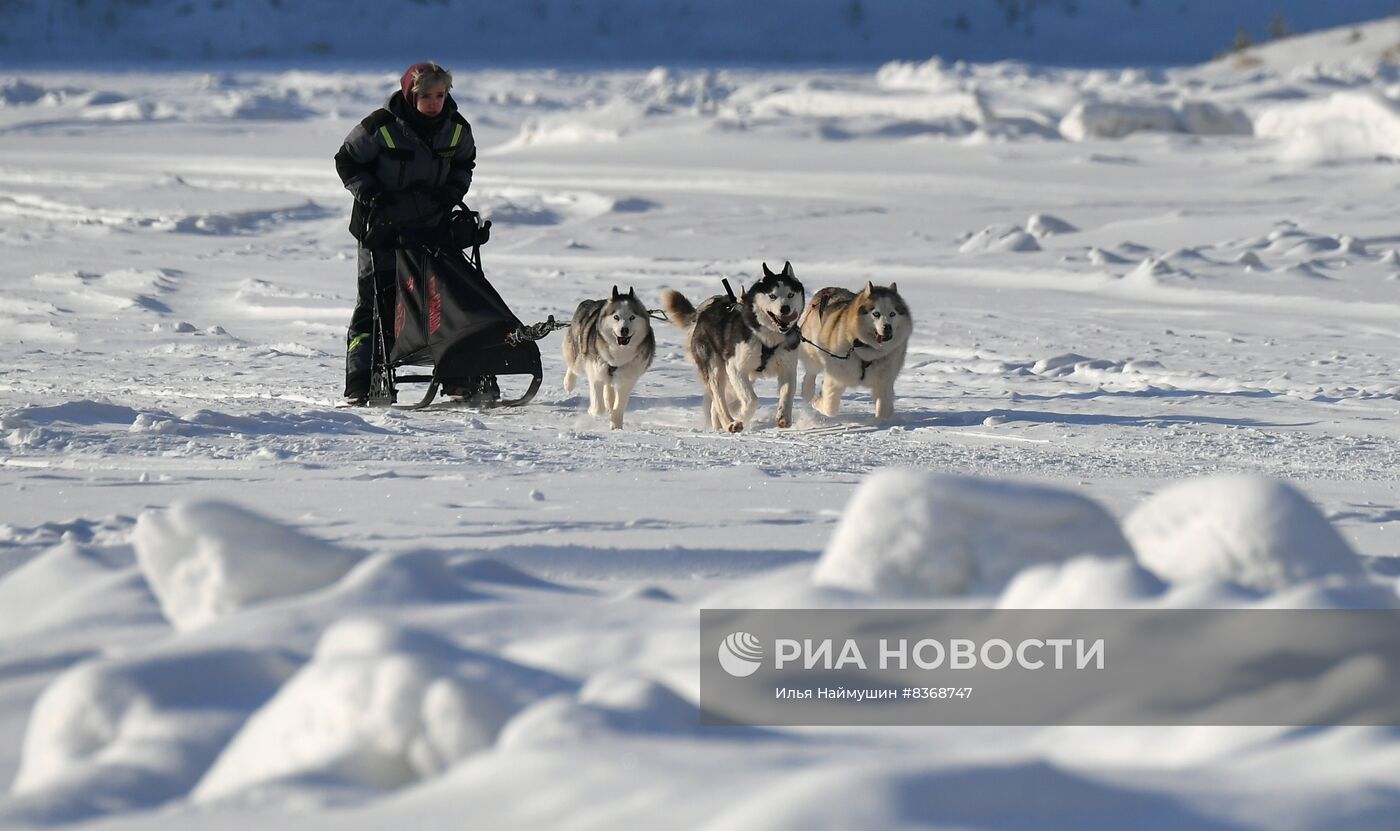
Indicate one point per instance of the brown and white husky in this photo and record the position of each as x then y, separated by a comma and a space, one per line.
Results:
854, 340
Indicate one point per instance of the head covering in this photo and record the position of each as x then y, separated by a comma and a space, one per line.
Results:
406, 83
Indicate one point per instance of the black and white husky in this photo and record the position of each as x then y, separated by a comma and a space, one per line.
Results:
734, 341
611, 342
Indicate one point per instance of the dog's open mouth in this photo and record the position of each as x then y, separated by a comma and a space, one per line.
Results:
881, 337
623, 340
783, 323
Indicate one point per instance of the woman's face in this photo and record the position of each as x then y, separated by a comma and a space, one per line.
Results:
430, 100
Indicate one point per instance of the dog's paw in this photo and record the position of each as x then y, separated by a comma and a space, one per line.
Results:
735, 427
784, 422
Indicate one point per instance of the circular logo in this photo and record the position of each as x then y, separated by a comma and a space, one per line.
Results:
740, 654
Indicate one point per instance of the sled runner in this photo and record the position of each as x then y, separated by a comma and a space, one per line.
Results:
450, 318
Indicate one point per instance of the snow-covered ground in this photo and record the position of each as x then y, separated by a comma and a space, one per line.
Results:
225, 602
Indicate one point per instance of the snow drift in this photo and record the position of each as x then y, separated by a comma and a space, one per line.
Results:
911, 534
378, 706
130, 733
71, 586
1082, 583
205, 560
1346, 125
1104, 119
1258, 532
611, 702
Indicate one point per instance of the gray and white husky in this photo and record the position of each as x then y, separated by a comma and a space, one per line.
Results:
733, 342
855, 339
611, 342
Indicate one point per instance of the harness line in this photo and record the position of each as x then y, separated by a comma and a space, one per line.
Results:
538, 331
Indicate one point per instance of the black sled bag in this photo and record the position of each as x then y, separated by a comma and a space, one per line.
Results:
449, 317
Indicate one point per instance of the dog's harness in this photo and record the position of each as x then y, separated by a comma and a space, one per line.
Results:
864, 364
790, 342
819, 301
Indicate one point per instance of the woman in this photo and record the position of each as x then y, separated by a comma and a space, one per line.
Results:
406, 165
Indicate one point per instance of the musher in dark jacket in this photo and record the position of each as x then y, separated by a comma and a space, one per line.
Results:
406, 165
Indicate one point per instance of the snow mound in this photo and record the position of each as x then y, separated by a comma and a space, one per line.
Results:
1203, 118
954, 112
1303, 245
913, 534
1045, 225
606, 124
395, 579
649, 702
1099, 256
1255, 531
1100, 119
286, 106
79, 413
613, 701
1153, 271
1111, 120
1059, 365
1251, 261
74, 586
378, 707
1346, 125
205, 560
133, 111
932, 74
109, 735
701, 92
1082, 583
999, 238
487, 570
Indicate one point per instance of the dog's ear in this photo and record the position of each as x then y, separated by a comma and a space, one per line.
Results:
766, 272
894, 288
787, 269
616, 295
869, 288
632, 292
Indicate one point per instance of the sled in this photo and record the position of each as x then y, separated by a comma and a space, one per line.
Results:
449, 318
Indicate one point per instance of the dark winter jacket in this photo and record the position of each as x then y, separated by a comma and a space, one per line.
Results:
412, 182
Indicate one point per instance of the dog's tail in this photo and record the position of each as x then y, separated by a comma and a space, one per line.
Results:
678, 309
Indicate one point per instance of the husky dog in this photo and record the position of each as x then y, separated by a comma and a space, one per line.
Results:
854, 340
732, 342
611, 342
